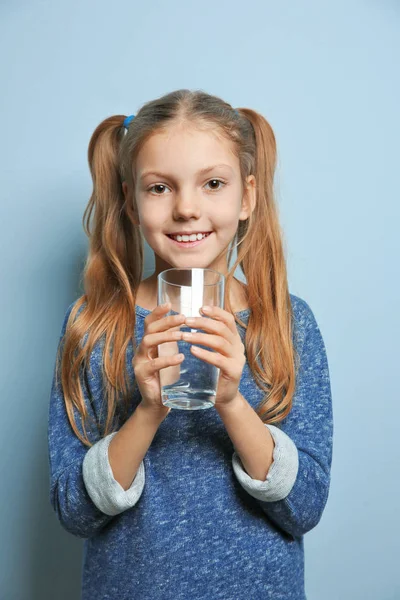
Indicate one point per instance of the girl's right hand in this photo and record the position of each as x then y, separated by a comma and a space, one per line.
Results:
146, 362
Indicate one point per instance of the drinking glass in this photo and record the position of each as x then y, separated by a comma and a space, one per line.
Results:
191, 384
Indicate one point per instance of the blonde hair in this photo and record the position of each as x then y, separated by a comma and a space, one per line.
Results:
114, 265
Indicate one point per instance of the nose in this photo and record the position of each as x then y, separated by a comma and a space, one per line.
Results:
186, 206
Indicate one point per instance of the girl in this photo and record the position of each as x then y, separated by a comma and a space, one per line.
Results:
205, 504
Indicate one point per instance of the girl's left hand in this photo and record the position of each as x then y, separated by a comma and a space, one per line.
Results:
229, 356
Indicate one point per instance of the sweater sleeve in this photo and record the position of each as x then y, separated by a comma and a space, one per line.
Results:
105, 491
83, 492
281, 474
296, 488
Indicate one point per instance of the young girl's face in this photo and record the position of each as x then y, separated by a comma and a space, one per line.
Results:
174, 193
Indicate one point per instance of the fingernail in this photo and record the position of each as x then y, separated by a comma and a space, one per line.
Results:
206, 309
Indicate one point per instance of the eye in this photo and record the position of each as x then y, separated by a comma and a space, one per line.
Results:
161, 185
157, 185
218, 181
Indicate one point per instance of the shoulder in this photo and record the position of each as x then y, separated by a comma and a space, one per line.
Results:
304, 321
308, 337
302, 311
76, 303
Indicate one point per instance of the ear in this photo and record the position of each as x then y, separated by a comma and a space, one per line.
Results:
249, 198
129, 204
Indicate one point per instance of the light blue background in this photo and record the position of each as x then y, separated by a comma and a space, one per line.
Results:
326, 76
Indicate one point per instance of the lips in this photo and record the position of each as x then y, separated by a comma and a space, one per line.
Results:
190, 244
193, 233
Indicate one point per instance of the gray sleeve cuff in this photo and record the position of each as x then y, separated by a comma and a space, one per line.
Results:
105, 491
282, 472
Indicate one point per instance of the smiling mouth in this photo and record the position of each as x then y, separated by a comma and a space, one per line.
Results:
189, 244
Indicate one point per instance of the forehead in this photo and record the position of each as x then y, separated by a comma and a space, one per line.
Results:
185, 148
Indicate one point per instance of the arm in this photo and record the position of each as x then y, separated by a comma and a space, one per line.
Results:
68, 496
83, 491
253, 442
295, 490
113, 469
129, 445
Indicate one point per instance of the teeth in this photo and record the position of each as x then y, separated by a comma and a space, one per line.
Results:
189, 238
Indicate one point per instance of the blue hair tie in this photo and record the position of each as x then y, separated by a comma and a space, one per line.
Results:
127, 121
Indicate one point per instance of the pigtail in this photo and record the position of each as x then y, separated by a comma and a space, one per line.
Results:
113, 235
269, 342
111, 276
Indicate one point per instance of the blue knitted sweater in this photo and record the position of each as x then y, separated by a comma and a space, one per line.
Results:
194, 525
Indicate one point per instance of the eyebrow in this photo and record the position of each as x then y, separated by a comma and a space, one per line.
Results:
200, 172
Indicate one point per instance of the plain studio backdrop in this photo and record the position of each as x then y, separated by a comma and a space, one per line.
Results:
326, 76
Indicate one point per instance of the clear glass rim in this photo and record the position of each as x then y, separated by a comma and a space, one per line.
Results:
220, 275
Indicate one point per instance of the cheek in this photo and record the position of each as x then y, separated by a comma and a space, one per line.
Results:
226, 219
152, 220
227, 209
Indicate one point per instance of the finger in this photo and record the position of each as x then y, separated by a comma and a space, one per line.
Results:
172, 323
213, 326
213, 358
175, 322
227, 365
150, 367
151, 340
157, 313
212, 341
220, 314
162, 323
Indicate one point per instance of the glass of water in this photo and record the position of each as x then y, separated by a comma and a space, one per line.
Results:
192, 384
